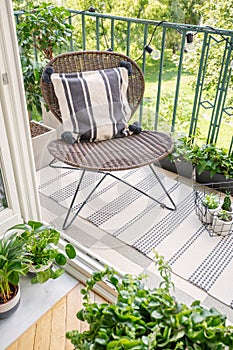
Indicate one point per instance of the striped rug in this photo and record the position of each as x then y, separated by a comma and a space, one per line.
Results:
136, 220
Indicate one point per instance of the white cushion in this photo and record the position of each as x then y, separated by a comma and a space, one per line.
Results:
94, 104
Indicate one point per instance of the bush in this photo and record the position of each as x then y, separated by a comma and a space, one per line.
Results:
144, 319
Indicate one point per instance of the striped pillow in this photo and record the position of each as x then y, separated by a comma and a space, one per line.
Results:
94, 104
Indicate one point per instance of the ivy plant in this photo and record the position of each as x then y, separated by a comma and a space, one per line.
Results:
183, 149
213, 159
146, 319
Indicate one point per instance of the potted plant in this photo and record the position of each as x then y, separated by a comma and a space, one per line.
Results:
41, 249
227, 202
213, 165
13, 264
42, 31
209, 205
222, 223
144, 319
179, 161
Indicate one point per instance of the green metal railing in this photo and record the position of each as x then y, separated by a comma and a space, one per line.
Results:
209, 113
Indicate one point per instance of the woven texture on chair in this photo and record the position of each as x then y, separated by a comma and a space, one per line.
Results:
116, 154
89, 61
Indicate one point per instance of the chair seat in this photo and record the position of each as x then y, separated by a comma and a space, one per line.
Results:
116, 154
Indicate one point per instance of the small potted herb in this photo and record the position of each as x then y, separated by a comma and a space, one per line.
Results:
13, 264
41, 245
209, 205
227, 202
179, 161
222, 223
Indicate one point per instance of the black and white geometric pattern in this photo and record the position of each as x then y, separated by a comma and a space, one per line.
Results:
179, 236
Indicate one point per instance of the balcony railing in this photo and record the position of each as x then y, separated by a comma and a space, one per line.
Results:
188, 103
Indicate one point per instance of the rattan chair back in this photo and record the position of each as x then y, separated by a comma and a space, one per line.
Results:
88, 61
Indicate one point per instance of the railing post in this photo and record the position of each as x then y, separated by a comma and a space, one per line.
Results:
83, 32
160, 79
178, 82
199, 86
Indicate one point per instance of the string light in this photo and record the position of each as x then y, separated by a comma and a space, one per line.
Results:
155, 54
189, 45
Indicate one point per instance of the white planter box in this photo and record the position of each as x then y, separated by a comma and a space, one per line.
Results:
40, 142
48, 118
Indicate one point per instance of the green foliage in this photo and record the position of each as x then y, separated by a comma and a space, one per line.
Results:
41, 249
213, 159
227, 202
216, 14
13, 263
183, 149
205, 158
31, 74
43, 30
211, 201
144, 319
224, 215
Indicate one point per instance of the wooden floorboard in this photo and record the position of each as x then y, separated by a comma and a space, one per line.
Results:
48, 333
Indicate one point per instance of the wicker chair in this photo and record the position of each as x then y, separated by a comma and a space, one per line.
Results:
107, 156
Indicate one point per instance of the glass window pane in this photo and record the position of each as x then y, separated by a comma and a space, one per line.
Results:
3, 200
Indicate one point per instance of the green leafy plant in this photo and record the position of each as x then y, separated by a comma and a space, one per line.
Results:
227, 202
182, 149
41, 249
146, 319
13, 263
224, 215
42, 32
213, 159
211, 201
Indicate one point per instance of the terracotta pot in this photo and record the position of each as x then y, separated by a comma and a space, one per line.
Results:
8, 308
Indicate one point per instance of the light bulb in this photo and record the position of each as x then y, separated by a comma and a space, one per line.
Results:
155, 54
189, 45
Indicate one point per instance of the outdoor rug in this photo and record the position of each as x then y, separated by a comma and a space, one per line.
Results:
138, 221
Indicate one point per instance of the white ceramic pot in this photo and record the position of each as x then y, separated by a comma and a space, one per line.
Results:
32, 269
11, 305
206, 215
221, 227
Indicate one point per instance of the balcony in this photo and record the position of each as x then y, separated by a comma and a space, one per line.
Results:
118, 226
182, 94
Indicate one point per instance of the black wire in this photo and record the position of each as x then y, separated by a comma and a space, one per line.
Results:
105, 37
222, 36
153, 33
151, 38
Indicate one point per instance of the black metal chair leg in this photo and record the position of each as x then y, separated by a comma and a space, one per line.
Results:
65, 224
165, 191
163, 205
